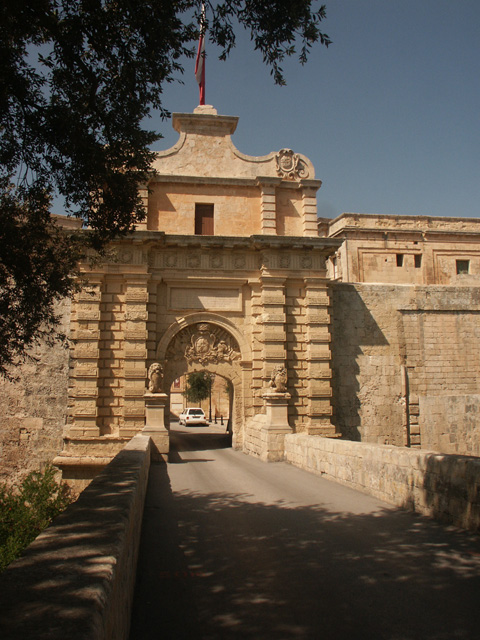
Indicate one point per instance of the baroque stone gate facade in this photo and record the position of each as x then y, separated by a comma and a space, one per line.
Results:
227, 275
373, 319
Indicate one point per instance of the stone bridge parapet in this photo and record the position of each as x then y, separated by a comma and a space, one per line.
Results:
76, 580
445, 487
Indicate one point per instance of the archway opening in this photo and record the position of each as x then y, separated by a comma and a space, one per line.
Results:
203, 342
213, 394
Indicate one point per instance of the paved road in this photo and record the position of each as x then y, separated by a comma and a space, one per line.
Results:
236, 548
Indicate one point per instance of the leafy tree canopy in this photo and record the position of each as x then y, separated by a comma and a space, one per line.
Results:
199, 384
77, 80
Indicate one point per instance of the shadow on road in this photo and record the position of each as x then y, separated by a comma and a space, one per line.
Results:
196, 439
221, 566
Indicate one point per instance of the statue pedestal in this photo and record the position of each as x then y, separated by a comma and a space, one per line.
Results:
155, 404
275, 426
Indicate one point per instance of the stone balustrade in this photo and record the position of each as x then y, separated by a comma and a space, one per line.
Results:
446, 487
76, 580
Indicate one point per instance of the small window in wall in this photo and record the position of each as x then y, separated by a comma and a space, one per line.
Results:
399, 259
463, 266
204, 219
418, 260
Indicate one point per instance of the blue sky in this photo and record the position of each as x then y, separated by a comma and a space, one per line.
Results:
389, 114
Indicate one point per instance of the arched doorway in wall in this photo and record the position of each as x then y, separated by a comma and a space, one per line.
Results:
214, 429
208, 342
210, 392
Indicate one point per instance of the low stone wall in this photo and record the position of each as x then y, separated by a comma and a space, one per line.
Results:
446, 487
76, 580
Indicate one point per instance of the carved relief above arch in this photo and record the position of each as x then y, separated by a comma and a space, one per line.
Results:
222, 330
203, 343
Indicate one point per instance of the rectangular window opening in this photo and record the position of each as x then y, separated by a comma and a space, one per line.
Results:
463, 266
399, 259
204, 219
418, 260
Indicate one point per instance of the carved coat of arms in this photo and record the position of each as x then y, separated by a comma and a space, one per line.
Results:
205, 347
289, 165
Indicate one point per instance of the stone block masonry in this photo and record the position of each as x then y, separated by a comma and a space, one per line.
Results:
445, 487
33, 408
76, 580
405, 363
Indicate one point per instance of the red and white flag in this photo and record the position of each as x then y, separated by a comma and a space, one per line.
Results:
200, 61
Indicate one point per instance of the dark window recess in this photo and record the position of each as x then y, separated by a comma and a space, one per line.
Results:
463, 266
418, 261
399, 259
204, 219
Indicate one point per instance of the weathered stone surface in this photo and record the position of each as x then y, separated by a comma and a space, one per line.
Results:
76, 579
33, 410
405, 366
442, 486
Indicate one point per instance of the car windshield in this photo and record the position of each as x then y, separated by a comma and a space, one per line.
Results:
196, 412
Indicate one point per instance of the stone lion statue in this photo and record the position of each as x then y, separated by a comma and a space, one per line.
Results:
278, 380
155, 378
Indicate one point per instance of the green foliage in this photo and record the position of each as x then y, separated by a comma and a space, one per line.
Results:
37, 267
78, 80
25, 514
199, 384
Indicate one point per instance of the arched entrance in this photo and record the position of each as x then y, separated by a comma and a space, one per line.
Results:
212, 393
207, 342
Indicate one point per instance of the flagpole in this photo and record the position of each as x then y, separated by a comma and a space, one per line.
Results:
200, 61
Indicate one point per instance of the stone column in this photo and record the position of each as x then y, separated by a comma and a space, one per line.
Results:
155, 404
135, 335
268, 207
275, 425
143, 193
84, 379
319, 374
274, 334
309, 198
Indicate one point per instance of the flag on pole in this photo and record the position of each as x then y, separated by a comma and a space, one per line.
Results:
200, 61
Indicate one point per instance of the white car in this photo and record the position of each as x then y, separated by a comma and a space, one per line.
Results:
193, 415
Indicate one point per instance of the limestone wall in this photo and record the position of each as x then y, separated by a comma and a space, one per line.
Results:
171, 208
405, 365
407, 249
33, 409
76, 580
442, 486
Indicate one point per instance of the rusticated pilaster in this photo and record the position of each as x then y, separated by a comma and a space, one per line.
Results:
318, 357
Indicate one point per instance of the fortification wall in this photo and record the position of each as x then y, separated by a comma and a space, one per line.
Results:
33, 409
405, 365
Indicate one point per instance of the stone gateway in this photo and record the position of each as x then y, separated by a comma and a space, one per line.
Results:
364, 327
227, 275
